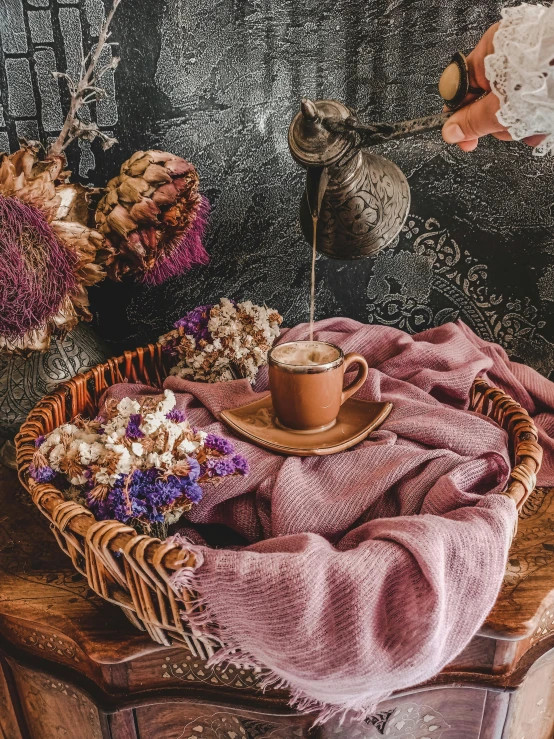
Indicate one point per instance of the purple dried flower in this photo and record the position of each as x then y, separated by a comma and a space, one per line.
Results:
176, 415
218, 444
39, 440
195, 323
241, 464
42, 474
193, 492
133, 431
220, 467
36, 269
148, 495
101, 508
194, 473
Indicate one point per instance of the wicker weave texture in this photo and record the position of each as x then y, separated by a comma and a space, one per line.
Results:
133, 570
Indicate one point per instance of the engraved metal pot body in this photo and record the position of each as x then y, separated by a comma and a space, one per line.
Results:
365, 204
361, 200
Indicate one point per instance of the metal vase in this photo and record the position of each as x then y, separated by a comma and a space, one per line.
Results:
25, 380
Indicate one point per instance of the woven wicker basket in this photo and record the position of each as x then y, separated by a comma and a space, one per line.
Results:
138, 581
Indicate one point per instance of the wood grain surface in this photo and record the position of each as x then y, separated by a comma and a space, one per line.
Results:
70, 652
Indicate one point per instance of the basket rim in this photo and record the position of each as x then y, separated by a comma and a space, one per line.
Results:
484, 399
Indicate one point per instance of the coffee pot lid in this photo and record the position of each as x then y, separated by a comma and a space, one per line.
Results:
311, 143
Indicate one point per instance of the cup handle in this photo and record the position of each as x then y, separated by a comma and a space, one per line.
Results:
360, 379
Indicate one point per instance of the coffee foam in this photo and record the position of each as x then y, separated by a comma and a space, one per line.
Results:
305, 353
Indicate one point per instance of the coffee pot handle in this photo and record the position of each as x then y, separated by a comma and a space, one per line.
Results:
360, 379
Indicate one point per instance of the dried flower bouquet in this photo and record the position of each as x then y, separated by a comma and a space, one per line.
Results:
224, 341
141, 463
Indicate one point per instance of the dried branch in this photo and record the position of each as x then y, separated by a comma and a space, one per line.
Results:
86, 91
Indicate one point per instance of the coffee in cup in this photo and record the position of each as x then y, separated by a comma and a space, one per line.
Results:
306, 382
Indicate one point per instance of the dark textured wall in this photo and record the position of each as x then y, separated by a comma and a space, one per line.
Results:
218, 82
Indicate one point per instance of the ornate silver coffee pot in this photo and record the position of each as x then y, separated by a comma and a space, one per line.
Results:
359, 200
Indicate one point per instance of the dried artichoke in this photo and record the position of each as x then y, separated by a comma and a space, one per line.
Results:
154, 217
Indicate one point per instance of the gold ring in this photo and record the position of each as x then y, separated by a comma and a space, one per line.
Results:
454, 82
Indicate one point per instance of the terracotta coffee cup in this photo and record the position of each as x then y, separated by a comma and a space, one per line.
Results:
306, 381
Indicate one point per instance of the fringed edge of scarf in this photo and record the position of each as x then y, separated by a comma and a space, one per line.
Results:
201, 620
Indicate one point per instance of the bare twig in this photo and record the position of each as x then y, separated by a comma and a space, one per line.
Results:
112, 65
86, 91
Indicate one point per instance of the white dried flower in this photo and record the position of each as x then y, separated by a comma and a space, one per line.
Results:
127, 407
152, 422
103, 478
124, 464
56, 455
78, 480
168, 403
153, 459
166, 458
187, 446
68, 428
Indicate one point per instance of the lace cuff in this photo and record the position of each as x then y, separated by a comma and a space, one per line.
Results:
521, 72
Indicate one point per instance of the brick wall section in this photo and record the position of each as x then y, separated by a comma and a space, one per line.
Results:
38, 37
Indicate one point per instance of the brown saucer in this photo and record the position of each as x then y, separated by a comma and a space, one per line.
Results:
256, 422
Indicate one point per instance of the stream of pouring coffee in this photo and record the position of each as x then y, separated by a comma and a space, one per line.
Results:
312, 292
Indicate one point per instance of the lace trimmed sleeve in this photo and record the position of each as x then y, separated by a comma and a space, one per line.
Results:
521, 72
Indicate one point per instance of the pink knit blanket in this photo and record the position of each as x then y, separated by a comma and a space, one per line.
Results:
367, 571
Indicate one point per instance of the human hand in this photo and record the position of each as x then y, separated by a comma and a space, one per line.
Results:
477, 117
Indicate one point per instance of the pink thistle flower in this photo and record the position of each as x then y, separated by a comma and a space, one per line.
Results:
36, 269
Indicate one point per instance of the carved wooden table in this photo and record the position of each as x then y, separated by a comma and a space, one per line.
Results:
74, 668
